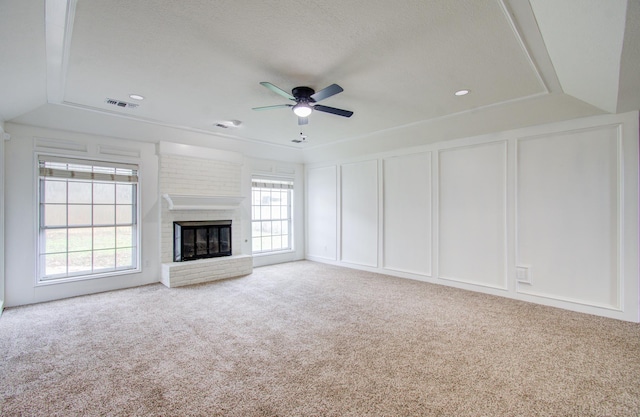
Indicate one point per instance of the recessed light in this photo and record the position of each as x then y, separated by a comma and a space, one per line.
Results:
462, 92
136, 96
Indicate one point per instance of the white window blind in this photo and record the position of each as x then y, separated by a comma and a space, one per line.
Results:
278, 184
56, 167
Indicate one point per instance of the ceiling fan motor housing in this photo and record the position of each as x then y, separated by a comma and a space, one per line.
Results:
303, 94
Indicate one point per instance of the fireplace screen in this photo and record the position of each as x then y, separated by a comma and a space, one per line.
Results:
201, 239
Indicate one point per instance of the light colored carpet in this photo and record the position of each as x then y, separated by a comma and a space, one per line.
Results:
307, 339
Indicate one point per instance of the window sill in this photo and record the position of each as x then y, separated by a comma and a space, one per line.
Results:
279, 252
42, 283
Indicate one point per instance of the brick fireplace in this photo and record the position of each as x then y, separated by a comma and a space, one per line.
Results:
201, 185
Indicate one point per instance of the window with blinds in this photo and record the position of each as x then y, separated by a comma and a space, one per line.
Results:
271, 216
88, 218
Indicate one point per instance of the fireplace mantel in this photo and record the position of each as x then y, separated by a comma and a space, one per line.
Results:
202, 202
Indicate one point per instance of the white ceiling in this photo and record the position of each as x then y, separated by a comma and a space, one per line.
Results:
586, 69
199, 62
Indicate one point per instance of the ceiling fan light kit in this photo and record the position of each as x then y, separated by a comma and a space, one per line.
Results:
305, 99
302, 109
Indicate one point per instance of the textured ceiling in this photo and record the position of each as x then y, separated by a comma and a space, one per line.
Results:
199, 62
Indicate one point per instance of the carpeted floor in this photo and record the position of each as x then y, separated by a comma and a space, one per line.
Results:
307, 339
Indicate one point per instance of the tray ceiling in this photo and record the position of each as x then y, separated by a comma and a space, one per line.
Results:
199, 63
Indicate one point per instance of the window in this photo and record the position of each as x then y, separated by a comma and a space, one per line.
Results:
88, 218
271, 215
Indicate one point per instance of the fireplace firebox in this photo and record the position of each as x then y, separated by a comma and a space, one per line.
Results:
201, 239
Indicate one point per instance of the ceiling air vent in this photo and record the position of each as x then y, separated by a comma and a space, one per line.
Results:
122, 104
226, 124
303, 138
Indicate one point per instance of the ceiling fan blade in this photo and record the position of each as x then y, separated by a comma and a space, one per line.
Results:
303, 121
333, 89
277, 106
333, 110
277, 90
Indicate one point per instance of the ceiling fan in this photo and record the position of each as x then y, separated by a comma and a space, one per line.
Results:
306, 99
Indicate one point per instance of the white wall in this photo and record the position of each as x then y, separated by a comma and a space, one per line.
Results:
569, 198
359, 213
560, 201
2, 165
472, 214
407, 213
21, 210
322, 213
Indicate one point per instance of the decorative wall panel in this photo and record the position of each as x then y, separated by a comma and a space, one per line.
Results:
472, 214
407, 213
568, 215
322, 219
359, 197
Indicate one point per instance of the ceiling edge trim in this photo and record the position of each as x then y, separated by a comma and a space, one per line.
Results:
525, 28
427, 121
59, 17
173, 126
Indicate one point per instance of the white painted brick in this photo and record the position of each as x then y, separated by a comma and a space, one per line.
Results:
196, 176
205, 270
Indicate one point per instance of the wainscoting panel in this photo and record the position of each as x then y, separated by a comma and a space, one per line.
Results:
472, 214
568, 215
407, 213
545, 214
322, 220
359, 214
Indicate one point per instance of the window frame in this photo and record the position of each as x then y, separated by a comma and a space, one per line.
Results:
289, 188
92, 160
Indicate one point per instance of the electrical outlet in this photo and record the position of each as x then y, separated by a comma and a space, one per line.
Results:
523, 274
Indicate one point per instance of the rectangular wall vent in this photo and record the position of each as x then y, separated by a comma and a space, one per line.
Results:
523, 274
122, 104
